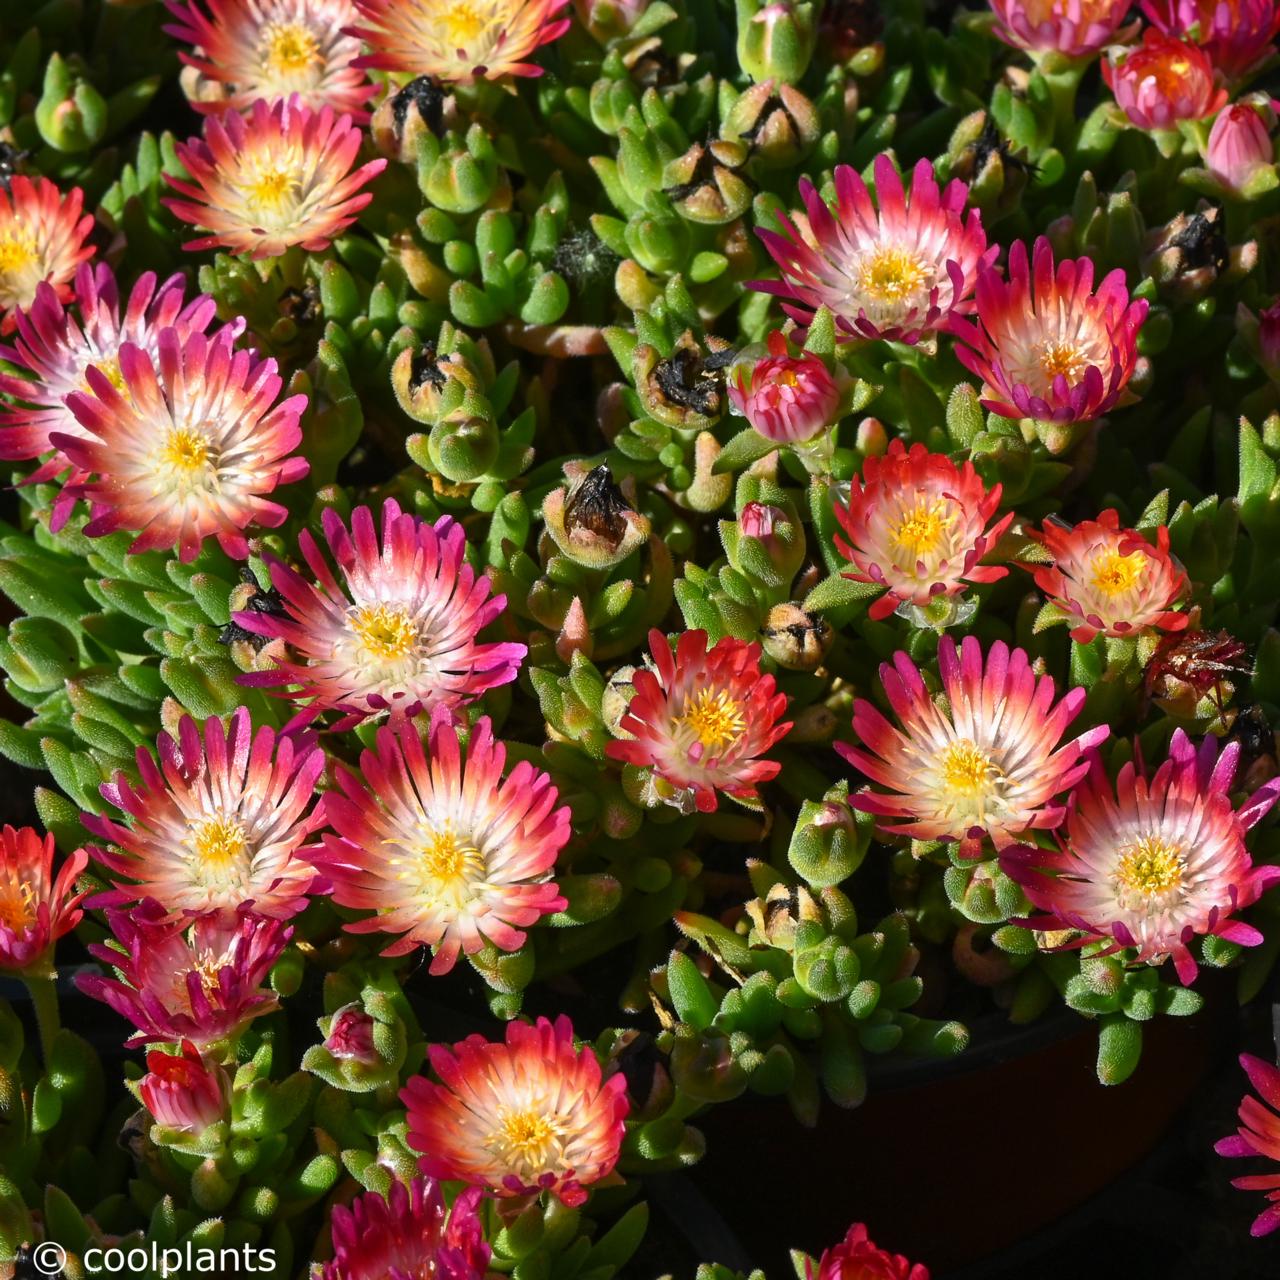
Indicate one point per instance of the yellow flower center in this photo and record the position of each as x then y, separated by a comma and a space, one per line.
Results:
17, 250
1151, 866
449, 860
967, 770
219, 843
288, 48
1061, 358
386, 631
110, 369
714, 718
270, 189
185, 449
462, 23
1114, 573
924, 526
892, 274
524, 1137
17, 904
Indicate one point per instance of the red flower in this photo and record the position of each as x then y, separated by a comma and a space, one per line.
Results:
183, 1092
1162, 81
35, 908
787, 399
857, 1257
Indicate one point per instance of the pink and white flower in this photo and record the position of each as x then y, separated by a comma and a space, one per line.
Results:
395, 631
919, 525
1240, 146
218, 826
529, 1115
458, 42
898, 271
279, 177
1259, 1135
184, 1093
1162, 81
42, 238
1074, 28
1236, 34
701, 719
1046, 345
408, 1233
36, 908
246, 50
787, 399
1110, 580
1155, 862
187, 446
178, 980
990, 762
55, 347
443, 849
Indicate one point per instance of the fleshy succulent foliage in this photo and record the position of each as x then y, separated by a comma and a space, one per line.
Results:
748, 524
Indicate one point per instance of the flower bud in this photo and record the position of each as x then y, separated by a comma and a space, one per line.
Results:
686, 390
183, 1093
1240, 150
794, 638
872, 440
776, 40
466, 178
828, 843
591, 522
71, 114
1162, 81
787, 399
606, 20
363, 1048
351, 1036
777, 121
402, 118
703, 184
767, 544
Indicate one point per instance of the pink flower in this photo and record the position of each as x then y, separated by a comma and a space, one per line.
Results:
351, 1036
42, 238
701, 718
219, 825
898, 272
407, 1234
526, 1116
918, 525
446, 852
1156, 862
397, 632
1074, 28
787, 399
187, 446
1162, 81
1259, 1135
1269, 333
1236, 34
1240, 145
177, 981
1112, 580
36, 909
1047, 346
990, 762
458, 43
247, 50
281, 176
183, 1092
857, 1257
56, 346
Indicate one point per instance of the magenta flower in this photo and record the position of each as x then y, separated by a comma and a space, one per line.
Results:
407, 1234
1157, 861
787, 399
444, 850
218, 825
528, 1115
1240, 145
1162, 81
1269, 334
187, 446
36, 908
917, 524
898, 271
701, 719
1236, 34
351, 1036
177, 981
857, 1257
55, 347
1046, 345
1259, 1135
183, 1092
1074, 28
397, 633
990, 762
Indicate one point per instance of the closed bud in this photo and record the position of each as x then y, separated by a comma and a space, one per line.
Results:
466, 178
767, 544
71, 114
404, 116
609, 19
779, 124
828, 843
464, 447
1240, 153
704, 185
350, 1036
787, 399
360, 1052
591, 522
872, 439
776, 40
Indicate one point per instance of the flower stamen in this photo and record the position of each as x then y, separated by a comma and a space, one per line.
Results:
715, 719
